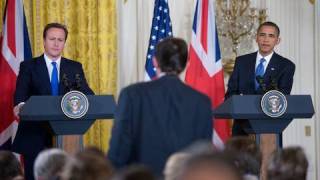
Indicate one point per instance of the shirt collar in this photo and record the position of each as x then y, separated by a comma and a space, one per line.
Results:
267, 58
49, 61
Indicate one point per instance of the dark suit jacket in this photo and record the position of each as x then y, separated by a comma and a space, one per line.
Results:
33, 79
280, 70
155, 119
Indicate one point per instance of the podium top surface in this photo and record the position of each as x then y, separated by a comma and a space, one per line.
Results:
248, 107
39, 108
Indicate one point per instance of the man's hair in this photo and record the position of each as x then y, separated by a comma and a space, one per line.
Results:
246, 154
288, 164
9, 166
88, 164
134, 172
215, 161
174, 165
55, 25
50, 163
171, 55
272, 24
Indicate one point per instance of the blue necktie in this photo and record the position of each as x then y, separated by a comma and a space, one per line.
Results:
54, 80
259, 72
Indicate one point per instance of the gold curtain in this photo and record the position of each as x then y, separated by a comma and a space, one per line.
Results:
92, 41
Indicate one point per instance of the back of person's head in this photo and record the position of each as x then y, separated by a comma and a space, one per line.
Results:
209, 166
10, 167
200, 147
288, 164
174, 164
247, 155
49, 164
171, 55
89, 164
176, 161
134, 172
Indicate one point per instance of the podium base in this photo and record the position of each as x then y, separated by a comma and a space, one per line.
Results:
69, 143
268, 144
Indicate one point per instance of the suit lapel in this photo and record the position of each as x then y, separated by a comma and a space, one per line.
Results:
252, 70
62, 72
272, 68
43, 74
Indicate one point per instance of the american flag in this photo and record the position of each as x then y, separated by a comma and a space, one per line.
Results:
161, 28
204, 69
15, 47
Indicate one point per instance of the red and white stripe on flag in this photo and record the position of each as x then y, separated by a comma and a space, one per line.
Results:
12, 42
204, 69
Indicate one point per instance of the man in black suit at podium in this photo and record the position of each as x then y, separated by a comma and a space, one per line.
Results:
262, 70
157, 118
47, 74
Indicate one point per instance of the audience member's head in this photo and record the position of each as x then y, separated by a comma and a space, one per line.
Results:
89, 164
173, 165
49, 164
134, 172
246, 154
10, 168
176, 161
288, 164
200, 147
209, 166
171, 55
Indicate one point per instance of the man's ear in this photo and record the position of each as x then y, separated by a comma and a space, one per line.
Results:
155, 62
279, 39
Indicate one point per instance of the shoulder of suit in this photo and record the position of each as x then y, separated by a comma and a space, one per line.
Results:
284, 60
141, 87
134, 87
31, 61
70, 61
246, 58
201, 96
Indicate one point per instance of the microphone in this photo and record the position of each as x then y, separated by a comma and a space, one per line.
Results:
66, 83
78, 81
273, 84
262, 84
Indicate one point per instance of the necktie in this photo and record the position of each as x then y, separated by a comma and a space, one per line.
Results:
54, 80
259, 71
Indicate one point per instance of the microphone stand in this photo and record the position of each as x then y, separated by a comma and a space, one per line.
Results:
262, 85
78, 82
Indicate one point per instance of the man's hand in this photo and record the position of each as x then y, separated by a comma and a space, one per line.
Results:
16, 109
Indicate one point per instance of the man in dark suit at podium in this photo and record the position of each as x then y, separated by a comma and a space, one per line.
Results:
262, 70
157, 118
48, 74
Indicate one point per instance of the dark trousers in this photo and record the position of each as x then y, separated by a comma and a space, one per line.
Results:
238, 127
30, 140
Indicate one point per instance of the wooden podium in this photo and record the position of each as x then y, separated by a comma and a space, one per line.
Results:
48, 109
266, 128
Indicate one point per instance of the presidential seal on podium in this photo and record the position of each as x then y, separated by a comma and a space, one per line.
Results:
274, 103
74, 104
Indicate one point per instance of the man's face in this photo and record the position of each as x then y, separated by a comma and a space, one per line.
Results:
54, 43
267, 38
